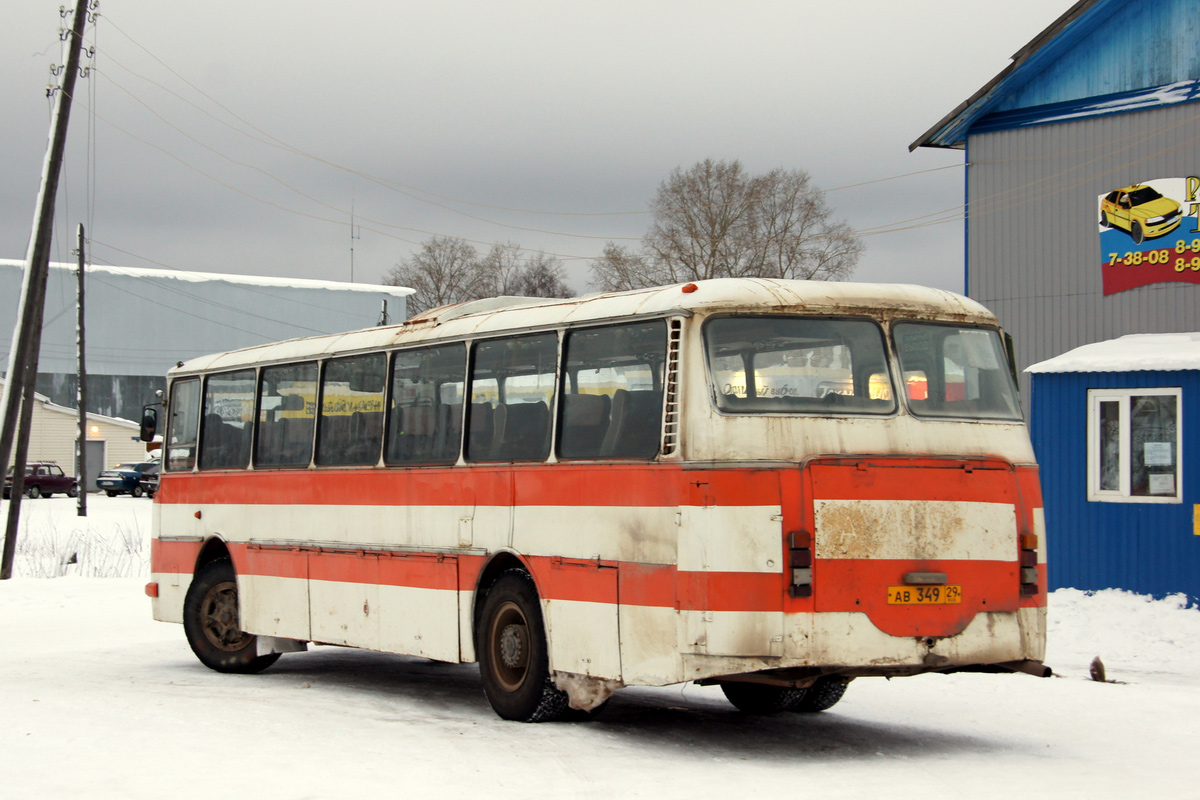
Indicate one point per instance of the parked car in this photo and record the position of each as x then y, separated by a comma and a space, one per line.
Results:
43, 479
1140, 211
124, 478
149, 480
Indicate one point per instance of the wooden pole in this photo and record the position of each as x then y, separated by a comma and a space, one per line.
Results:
81, 388
23, 358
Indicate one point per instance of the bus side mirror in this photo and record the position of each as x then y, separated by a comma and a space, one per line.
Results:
149, 423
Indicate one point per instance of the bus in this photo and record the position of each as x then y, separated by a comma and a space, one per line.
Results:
773, 486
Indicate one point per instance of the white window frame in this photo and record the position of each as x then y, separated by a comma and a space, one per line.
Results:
1122, 494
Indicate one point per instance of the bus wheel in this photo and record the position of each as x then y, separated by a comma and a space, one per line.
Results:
513, 660
210, 621
759, 698
822, 695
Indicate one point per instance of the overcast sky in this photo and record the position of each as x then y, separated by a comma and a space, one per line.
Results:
235, 136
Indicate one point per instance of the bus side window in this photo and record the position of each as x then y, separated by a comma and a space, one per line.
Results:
512, 389
182, 425
287, 412
350, 428
614, 407
228, 413
425, 417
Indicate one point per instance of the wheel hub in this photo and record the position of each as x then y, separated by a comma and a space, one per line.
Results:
512, 645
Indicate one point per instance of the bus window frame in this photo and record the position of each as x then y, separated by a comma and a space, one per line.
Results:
1009, 371
889, 359
324, 365
169, 427
550, 456
203, 427
389, 407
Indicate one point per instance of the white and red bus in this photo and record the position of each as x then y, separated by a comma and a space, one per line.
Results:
775, 486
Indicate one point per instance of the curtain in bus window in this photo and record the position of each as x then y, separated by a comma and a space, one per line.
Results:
182, 425
512, 392
425, 418
798, 365
350, 431
955, 372
287, 412
612, 398
226, 427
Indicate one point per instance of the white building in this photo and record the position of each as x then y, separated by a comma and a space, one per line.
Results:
141, 322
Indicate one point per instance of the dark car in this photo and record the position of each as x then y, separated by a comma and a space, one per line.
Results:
124, 478
43, 479
149, 481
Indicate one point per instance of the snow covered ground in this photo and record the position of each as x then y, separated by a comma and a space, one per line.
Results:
98, 700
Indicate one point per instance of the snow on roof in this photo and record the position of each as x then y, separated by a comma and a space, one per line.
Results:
1137, 352
244, 280
49, 406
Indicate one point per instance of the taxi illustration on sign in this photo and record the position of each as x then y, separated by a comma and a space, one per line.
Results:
1140, 211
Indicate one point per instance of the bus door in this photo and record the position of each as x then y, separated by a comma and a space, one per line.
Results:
920, 546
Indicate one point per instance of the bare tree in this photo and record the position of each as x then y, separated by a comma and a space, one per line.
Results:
716, 221
543, 277
445, 270
449, 270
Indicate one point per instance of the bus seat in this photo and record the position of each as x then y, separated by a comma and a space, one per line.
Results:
585, 421
635, 426
479, 432
521, 431
449, 431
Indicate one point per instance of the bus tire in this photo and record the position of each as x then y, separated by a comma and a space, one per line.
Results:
513, 658
210, 621
822, 695
760, 698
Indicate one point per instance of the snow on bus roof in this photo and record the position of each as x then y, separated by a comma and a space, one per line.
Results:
501, 314
241, 280
1136, 352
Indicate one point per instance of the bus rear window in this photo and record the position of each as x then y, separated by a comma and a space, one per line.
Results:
955, 372
788, 365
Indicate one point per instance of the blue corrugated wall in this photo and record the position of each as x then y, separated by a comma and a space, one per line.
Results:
1149, 548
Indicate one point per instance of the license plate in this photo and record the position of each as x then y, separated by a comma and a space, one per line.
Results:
924, 595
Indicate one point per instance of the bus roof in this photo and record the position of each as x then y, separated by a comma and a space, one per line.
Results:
495, 315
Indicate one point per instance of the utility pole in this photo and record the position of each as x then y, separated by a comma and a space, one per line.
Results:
353, 235
81, 388
17, 398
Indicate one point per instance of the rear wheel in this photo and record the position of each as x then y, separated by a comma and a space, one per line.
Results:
822, 695
111, 494
513, 659
212, 625
33, 492
760, 698
137, 491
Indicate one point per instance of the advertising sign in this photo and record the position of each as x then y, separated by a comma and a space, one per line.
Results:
1150, 233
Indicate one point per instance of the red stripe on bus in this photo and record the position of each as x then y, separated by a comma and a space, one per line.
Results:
643, 485
915, 479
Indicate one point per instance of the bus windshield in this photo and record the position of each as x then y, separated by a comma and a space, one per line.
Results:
956, 372
798, 365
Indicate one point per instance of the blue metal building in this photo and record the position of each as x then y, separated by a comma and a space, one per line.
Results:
1107, 97
1116, 428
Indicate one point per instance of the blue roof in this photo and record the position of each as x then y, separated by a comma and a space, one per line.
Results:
1100, 57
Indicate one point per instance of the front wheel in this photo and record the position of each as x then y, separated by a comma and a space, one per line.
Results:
212, 625
1136, 233
33, 492
513, 658
111, 494
73, 491
137, 491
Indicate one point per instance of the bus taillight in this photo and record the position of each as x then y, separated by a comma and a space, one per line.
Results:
1028, 564
800, 561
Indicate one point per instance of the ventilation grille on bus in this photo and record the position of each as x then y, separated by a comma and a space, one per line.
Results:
670, 442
